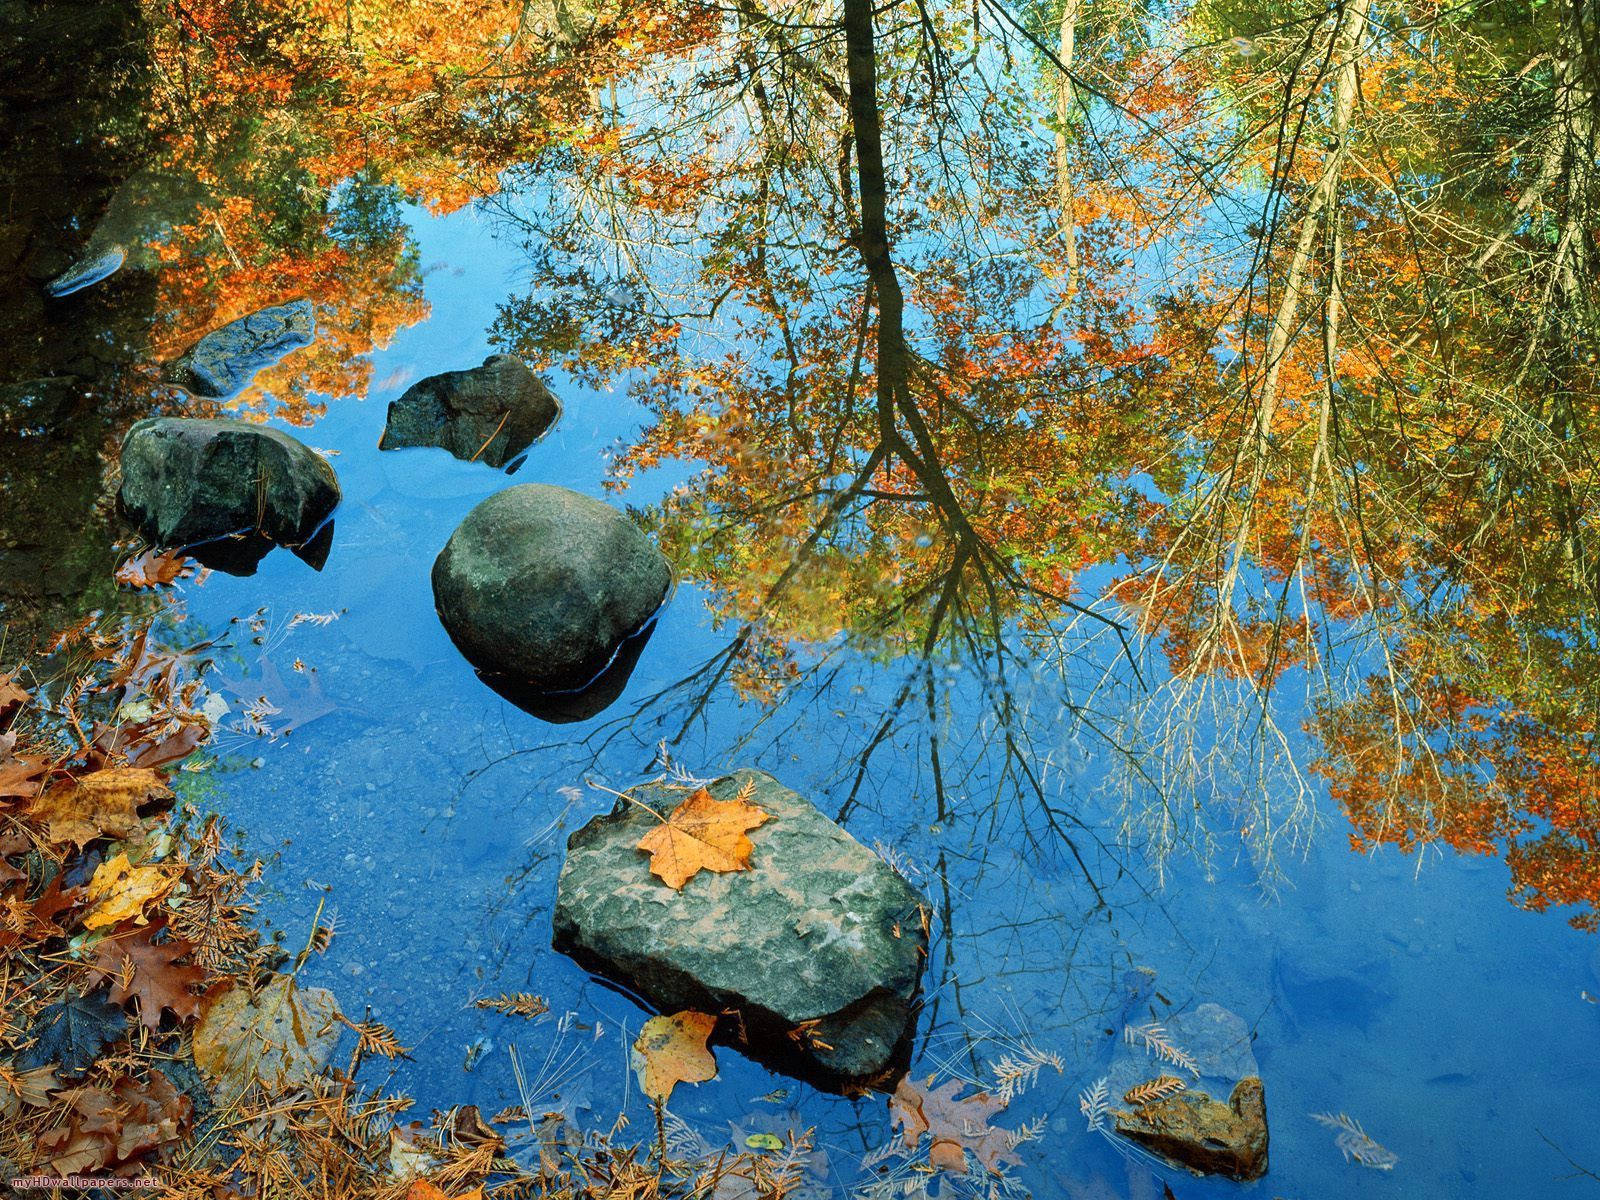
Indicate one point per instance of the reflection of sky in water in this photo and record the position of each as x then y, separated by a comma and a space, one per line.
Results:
1417, 1000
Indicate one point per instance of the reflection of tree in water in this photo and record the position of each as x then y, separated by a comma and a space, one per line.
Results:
1278, 371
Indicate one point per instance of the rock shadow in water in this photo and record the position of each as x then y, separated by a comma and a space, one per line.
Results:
564, 707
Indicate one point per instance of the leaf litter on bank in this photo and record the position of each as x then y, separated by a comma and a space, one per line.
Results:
280, 1035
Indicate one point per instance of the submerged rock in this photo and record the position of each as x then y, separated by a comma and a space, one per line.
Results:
1204, 1135
226, 490
489, 414
543, 586
227, 359
813, 956
1188, 1058
87, 271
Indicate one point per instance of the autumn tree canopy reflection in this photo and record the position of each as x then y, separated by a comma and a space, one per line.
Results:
1261, 336
1217, 349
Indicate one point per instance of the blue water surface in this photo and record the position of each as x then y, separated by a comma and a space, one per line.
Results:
429, 816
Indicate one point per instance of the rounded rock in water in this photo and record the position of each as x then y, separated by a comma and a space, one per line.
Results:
544, 585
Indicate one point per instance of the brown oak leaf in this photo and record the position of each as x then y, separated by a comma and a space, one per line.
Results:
12, 693
101, 803
703, 834
21, 778
12, 841
954, 1125
52, 902
153, 568
143, 968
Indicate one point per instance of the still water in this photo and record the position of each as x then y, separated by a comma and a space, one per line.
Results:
431, 816
1180, 414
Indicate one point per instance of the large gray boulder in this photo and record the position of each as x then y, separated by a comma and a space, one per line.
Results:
543, 585
490, 414
191, 481
227, 359
813, 956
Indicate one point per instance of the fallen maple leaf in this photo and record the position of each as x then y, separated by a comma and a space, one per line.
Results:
280, 1035
703, 834
102, 803
672, 1050
72, 1033
148, 970
955, 1126
153, 568
121, 891
12, 692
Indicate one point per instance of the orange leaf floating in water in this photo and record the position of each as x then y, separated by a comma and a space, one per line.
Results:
703, 834
153, 568
672, 1050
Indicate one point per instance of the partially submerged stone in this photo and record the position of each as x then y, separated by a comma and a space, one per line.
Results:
89, 270
1208, 1050
1203, 1135
489, 414
224, 362
813, 957
227, 491
544, 587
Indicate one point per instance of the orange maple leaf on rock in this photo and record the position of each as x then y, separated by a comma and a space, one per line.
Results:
703, 834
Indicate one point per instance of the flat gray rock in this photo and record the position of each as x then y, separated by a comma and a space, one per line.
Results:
225, 361
818, 948
489, 414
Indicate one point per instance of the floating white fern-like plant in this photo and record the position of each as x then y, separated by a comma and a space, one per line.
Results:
1016, 1073
1162, 1087
1354, 1143
1094, 1102
1153, 1037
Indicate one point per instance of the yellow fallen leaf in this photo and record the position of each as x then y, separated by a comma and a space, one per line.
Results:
672, 1050
280, 1035
100, 804
120, 891
703, 834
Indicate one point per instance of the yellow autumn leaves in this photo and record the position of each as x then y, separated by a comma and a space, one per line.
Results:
120, 891
671, 1050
